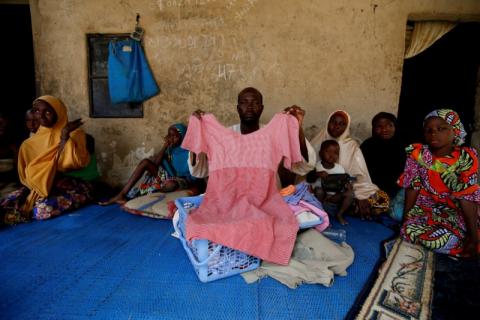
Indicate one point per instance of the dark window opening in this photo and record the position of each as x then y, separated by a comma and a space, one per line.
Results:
17, 65
443, 76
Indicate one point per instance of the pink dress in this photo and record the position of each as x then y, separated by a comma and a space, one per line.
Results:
242, 208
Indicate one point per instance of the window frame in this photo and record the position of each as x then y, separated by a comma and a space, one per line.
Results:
121, 107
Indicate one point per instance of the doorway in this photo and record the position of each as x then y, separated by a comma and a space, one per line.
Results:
17, 65
442, 76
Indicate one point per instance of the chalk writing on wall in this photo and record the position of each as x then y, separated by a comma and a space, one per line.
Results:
166, 4
244, 9
189, 42
171, 25
199, 34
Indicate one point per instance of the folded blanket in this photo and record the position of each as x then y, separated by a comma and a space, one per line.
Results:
315, 259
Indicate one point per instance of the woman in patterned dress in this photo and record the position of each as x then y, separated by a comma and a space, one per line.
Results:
166, 172
442, 193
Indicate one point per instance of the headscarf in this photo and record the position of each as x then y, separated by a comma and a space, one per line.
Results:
452, 118
344, 140
175, 161
351, 157
38, 159
181, 128
385, 159
383, 115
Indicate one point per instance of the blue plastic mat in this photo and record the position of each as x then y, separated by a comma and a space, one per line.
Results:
102, 263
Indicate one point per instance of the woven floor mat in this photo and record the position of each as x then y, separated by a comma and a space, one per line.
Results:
103, 263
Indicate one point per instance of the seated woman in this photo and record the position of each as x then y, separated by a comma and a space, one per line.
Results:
369, 198
166, 172
57, 147
442, 194
384, 153
8, 156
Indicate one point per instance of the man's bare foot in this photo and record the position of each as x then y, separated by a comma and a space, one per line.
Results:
120, 199
341, 219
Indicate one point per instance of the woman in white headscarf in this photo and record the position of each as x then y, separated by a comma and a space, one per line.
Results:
370, 199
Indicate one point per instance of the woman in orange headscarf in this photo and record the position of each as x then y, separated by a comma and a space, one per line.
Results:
57, 147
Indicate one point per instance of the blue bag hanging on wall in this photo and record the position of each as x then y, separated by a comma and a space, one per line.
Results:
129, 76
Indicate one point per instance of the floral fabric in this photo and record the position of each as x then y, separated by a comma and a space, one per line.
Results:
67, 194
436, 220
151, 184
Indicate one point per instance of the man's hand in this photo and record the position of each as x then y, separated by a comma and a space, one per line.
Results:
297, 112
198, 114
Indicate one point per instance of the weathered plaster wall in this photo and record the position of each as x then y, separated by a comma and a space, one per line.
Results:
319, 54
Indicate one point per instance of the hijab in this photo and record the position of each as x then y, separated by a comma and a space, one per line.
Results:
383, 115
39, 160
175, 161
351, 157
452, 118
385, 159
347, 144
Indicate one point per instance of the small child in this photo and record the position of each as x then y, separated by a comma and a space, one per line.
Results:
329, 155
30, 122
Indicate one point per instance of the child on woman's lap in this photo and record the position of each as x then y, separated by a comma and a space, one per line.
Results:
340, 195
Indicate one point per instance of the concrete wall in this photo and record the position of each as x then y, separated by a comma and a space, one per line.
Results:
319, 54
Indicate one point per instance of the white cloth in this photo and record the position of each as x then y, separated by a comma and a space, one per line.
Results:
315, 259
351, 158
306, 217
200, 169
337, 168
425, 34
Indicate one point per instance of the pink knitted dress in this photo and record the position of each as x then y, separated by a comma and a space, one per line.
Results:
242, 208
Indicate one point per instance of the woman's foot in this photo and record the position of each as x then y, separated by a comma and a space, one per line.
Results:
341, 219
119, 198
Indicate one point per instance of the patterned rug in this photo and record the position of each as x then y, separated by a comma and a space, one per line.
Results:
404, 287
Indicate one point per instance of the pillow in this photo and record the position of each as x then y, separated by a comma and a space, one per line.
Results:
155, 205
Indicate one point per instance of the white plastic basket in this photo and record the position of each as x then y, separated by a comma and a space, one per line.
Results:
211, 261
